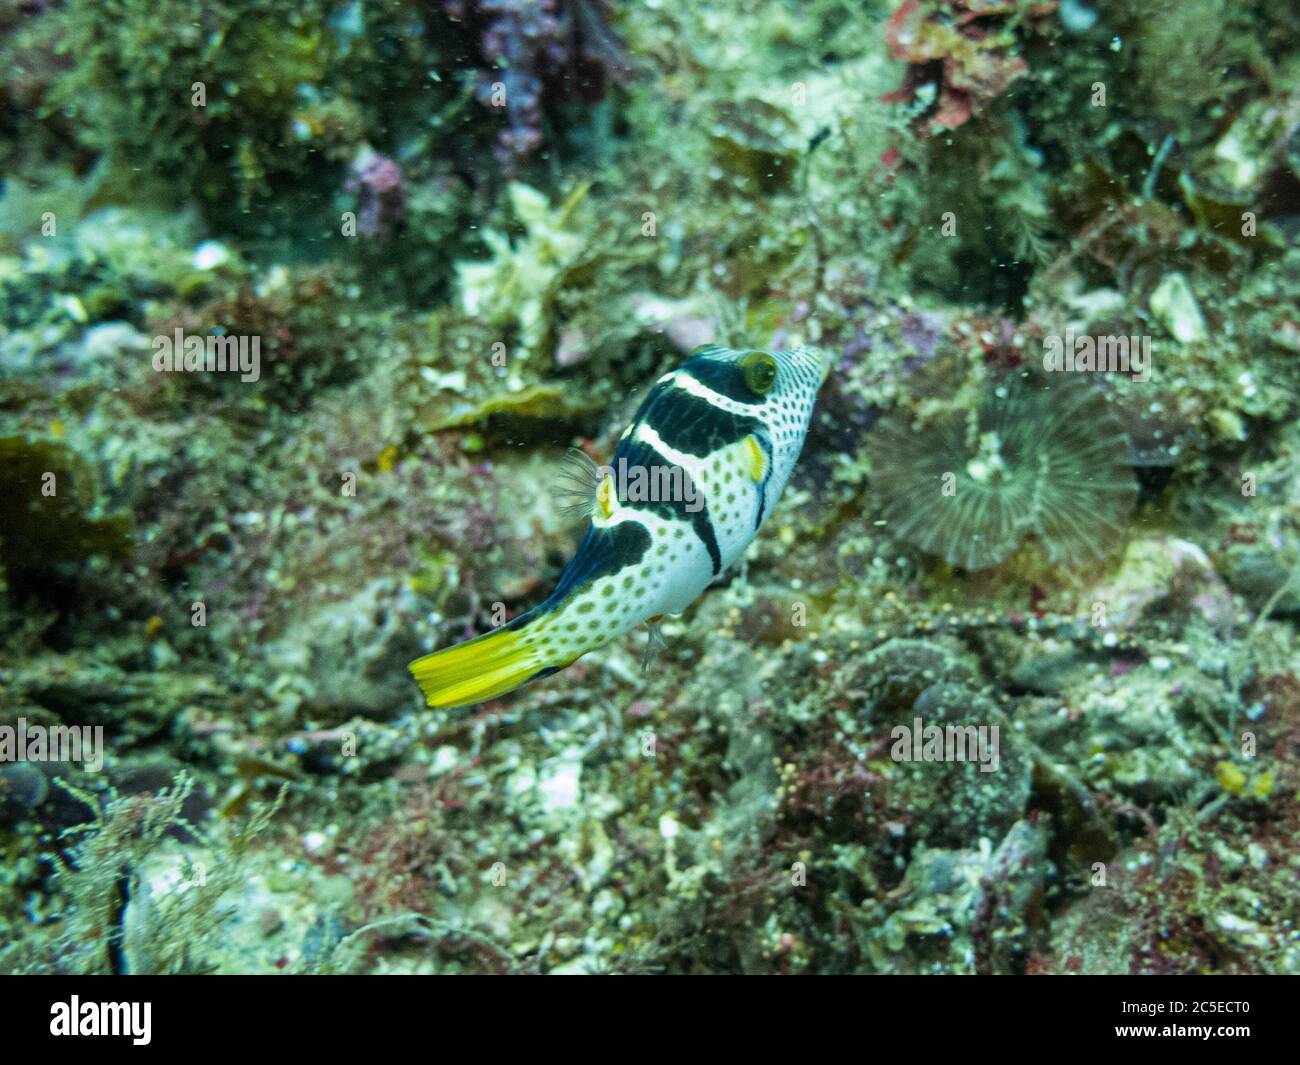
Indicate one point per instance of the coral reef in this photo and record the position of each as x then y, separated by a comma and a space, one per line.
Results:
540, 53
1008, 684
381, 199
963, 53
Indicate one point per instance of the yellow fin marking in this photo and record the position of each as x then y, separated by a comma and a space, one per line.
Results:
755, 458
481, 668
604, 496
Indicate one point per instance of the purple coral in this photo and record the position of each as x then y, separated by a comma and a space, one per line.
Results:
539, 51
524, 37
376, 181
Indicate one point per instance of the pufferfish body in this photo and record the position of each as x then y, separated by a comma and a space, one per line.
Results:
691, 482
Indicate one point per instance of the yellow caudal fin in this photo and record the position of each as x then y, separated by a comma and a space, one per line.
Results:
481, 668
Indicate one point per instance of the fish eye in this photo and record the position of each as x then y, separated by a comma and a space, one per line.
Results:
760, 371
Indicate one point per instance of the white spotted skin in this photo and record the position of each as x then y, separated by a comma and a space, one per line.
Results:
673, 573
733, 496
677, 567
740, 418
787, 410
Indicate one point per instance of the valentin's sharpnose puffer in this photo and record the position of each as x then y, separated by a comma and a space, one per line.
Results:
692, 480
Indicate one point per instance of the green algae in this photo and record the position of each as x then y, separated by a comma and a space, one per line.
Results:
51, 516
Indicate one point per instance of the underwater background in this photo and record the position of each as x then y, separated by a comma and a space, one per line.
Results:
462, 236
